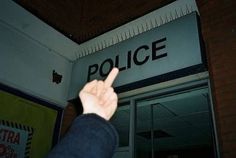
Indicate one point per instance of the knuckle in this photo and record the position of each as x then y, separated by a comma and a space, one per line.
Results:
80, 93
115, 97
111, 89
94, 81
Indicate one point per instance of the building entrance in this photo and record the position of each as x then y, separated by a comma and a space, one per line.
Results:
172, 123
174, 126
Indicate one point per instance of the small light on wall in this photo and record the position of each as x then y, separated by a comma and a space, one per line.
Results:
56, 77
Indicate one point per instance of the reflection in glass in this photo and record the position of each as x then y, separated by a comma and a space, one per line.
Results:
143, 132
121, 121
174, 127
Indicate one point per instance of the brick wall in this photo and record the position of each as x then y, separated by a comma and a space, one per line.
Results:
68, 117
218, 20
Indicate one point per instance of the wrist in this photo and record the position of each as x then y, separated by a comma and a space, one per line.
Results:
99, 114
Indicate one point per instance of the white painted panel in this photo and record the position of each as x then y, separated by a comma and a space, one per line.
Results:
27, 66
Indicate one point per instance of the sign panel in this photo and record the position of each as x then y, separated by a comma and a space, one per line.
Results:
168, 48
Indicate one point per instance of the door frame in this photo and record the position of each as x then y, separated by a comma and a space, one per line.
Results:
180, 87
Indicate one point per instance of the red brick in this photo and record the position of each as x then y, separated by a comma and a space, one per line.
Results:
231, 154
229, 146
69, 116
226, 110
231, 136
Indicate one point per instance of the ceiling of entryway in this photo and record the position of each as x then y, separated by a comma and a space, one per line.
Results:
81, 20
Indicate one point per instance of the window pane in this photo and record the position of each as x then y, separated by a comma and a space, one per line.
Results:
143, 132
187, 126
175, 126
121, 121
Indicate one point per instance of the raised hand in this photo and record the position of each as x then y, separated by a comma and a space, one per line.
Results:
99, 97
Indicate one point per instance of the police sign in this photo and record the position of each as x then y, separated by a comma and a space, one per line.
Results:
162, 51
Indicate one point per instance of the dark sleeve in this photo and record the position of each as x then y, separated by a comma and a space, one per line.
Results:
90, 136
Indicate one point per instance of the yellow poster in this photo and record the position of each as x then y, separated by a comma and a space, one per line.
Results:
26, 127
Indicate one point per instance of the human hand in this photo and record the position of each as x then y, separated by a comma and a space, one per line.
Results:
99, 97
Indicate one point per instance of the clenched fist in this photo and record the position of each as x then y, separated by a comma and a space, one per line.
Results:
99, 97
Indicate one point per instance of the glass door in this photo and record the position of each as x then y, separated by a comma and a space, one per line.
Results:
144, 131
176, 125
121, 121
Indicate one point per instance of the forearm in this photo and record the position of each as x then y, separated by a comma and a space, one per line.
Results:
90, 136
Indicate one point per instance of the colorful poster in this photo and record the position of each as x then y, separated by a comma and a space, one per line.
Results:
15, 139
27, 128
